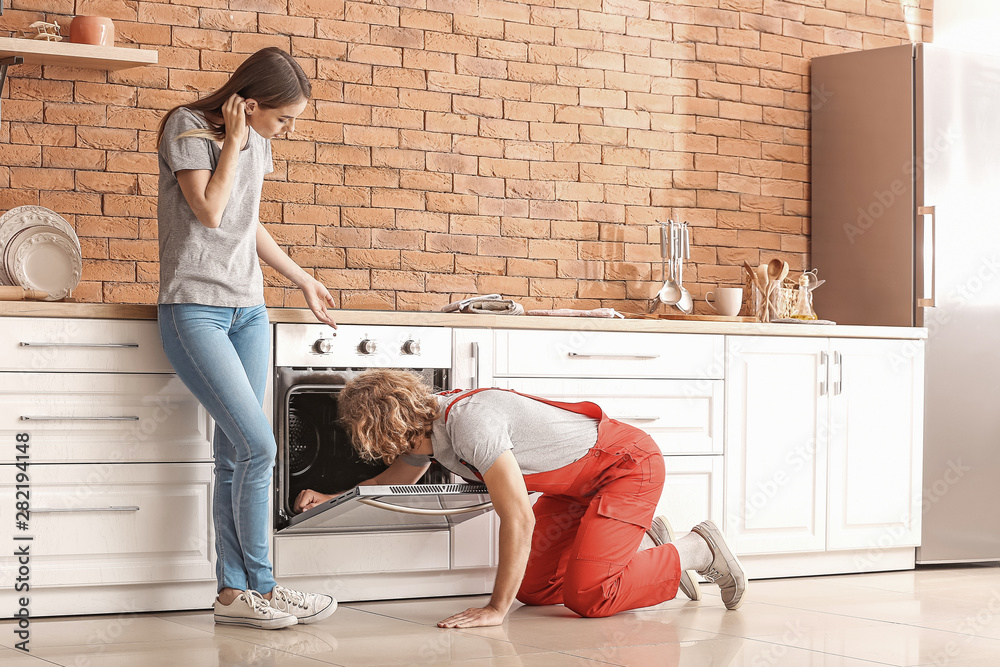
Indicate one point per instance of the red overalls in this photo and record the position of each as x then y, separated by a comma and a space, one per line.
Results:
590, 520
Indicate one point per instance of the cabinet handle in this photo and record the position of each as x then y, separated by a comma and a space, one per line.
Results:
475, 365
113, 508
613, 355
636, 419
23, 344
55, 418
824, 371
838, 386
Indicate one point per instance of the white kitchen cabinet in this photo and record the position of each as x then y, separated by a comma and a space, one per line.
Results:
103, 417
608, 354
73, 345
120, 468
875, 458
824, 446
692, 492
777, 415
115, 524
670, 386
682, 416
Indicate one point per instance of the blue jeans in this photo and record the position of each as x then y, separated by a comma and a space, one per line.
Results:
221, 355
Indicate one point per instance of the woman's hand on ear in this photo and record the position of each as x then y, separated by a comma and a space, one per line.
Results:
234, 114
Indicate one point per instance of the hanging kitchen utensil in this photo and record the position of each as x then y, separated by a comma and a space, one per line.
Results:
670, 293
686, 302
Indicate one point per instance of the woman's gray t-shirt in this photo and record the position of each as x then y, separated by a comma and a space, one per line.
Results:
214, 267
483, 426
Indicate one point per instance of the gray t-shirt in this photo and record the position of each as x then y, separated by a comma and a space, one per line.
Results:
214, 267
483, 426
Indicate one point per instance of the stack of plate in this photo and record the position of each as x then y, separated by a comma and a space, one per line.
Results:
40, 251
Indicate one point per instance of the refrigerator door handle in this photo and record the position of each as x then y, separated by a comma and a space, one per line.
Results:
929, 262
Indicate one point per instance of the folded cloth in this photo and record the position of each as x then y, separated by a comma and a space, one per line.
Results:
490, 304
571, 312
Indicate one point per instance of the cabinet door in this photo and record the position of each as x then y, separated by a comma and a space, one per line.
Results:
777, 411
42, 344
692, 491
682, 416
876, 438
114, 523
103, 417
613, 354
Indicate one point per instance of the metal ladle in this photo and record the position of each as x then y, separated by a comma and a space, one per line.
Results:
670, 293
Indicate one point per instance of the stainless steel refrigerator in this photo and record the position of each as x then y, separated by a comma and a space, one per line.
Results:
906, 232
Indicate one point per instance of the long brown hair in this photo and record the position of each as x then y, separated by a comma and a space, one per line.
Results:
270, 76
384, 411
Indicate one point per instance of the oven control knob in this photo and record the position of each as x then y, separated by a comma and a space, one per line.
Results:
367, 346
323, 345
411, 347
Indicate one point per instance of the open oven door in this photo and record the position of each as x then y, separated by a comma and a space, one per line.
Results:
395, 507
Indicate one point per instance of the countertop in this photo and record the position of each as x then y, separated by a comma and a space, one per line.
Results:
420, 319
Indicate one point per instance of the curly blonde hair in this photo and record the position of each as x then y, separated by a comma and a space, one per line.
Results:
384, 411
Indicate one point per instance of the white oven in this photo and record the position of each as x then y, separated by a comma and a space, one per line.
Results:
367, 541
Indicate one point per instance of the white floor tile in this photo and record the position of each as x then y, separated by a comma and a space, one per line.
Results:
939, 616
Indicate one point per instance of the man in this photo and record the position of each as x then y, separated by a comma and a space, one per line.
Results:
600, 482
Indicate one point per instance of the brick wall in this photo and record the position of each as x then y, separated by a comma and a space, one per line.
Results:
459, 146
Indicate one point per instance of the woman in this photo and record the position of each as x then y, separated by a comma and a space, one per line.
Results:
213, 155
600, 482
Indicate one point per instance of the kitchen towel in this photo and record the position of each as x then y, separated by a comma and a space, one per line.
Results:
489, 304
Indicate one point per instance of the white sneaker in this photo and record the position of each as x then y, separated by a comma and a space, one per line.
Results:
662, 533
251, 609
306, 607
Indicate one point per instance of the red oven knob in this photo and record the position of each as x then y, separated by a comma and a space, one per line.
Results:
367, 346
411, 347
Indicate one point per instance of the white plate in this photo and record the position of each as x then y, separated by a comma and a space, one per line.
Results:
23, 217
5, 255
45, 260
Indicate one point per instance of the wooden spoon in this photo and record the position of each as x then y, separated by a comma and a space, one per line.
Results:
753, 275
777, 271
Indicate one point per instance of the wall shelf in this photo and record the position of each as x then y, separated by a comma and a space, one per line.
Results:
17, 51
66, 54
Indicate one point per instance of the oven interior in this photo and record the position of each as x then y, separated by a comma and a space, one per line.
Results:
317, 451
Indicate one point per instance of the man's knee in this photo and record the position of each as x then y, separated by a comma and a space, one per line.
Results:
589, 604
539, 593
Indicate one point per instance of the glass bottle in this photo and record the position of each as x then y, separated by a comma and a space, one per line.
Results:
803, 303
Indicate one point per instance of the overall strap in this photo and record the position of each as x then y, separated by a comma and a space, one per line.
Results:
585, 408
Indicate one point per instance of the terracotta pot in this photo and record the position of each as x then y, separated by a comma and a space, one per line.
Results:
92, 30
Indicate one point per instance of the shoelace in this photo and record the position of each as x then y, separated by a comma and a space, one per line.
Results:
287, 596
256, 601
712, 574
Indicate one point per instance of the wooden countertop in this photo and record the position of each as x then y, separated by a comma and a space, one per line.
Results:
419, 319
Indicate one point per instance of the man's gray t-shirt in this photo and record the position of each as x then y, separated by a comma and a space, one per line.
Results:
483, 426
214, 267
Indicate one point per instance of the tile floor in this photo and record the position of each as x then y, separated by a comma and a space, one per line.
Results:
934, 616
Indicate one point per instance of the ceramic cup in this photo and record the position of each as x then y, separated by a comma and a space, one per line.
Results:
727, 301
92, 30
